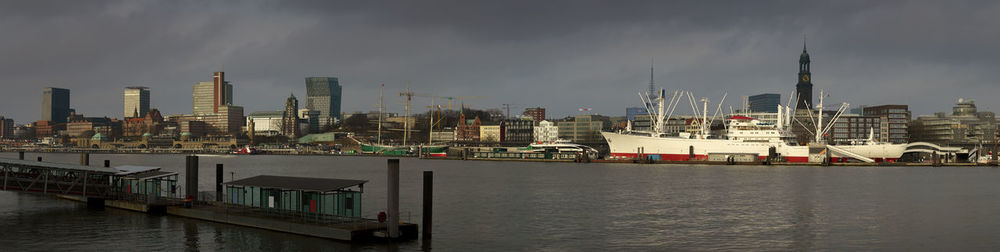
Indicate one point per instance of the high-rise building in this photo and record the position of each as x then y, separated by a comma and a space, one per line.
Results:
55, 104
290, 119
323, 95
203, 98
136, 100
805, 87
537, 114
765, 103
212, 106
6, 128
209, 96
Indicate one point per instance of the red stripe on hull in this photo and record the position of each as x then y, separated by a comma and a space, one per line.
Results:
684, 157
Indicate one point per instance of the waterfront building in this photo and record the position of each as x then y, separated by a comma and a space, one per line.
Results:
641, 122
229, 121
26, 131
765, 102
467, 130
632, 112
446, 135
965, 127
804, 88
323, 94
895, 122
151, 123
491, 133
6, 128
192, 128
290, 118
136, 101
546, 131
537, 114
80, 126
45, 129
518, 131
312, 118
854, 127
582, 129
55, 104
674, 125
266, 123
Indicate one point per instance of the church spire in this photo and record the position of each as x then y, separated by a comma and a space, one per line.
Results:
803, 43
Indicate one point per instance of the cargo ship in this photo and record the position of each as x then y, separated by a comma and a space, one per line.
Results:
745, 136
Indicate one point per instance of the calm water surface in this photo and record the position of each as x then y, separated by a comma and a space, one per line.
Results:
505, 206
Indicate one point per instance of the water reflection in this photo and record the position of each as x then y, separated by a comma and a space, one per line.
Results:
554, 206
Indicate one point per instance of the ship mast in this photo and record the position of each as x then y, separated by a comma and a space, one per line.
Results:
379, 139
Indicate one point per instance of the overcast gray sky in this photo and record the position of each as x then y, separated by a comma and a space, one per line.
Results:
561, 55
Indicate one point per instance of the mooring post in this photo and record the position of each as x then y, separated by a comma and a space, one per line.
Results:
826, 161
107, 163
85, 159
218, 182
428, 204
39, 159
5, 174
393, 198
191, 176
20, 155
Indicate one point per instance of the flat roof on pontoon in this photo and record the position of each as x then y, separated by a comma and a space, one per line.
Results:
47, 165
297, 183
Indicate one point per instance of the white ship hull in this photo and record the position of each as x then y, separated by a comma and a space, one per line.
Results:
687, 149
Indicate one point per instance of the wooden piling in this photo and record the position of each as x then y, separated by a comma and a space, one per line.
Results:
392, 202
428, 204
218, 182
191, 176
85, 159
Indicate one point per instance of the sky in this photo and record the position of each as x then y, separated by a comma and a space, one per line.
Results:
560, 55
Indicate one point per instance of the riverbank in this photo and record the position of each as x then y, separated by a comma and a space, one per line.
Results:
621, 161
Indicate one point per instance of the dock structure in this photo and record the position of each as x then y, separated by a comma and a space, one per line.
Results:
89, 182
319, 207
55, 178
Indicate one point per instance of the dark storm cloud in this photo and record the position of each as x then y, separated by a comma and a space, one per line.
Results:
562, 55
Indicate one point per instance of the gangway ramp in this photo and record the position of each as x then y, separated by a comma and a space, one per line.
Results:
843, 152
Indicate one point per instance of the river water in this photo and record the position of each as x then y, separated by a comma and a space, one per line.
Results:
518, 206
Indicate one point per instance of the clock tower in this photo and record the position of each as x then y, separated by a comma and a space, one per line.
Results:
804, 88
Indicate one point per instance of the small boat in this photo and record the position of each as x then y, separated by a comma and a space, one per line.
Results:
247, 150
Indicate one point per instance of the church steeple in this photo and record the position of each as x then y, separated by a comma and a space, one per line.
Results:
804, 88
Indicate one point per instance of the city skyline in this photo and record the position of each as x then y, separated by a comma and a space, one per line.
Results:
864, 53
